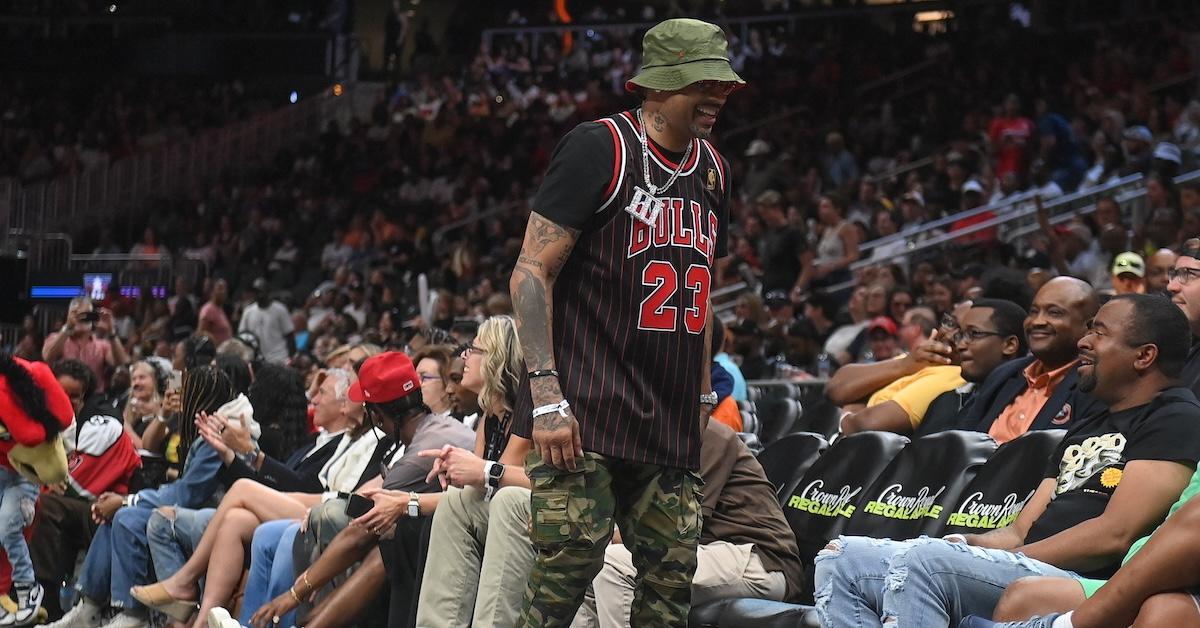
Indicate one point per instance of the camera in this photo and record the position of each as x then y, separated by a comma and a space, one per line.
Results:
89, 317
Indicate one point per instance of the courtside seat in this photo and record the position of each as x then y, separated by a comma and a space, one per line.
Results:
821, 417
786, 460
824, 499
1002, 487
751, 613
747, 405
778, 417
915, 493
750, 423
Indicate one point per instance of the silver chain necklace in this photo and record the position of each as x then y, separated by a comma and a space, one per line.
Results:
654, 190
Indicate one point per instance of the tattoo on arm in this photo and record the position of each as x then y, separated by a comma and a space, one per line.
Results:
545, 250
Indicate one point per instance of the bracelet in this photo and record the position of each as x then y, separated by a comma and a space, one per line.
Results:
560, 407
304, 577
543, 373
292, 590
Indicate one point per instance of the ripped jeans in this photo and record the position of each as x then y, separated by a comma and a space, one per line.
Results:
924, 582
18, 497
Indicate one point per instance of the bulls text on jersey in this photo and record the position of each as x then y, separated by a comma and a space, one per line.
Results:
676, 227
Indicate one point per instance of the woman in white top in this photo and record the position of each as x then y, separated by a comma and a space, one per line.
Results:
837, 247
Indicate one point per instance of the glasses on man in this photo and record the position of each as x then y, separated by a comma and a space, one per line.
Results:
1182, 275
424, 377
971, 336
949, 322
720, 88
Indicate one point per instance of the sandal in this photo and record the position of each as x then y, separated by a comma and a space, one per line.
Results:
155, 597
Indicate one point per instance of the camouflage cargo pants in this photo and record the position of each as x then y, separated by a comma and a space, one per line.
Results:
573, 512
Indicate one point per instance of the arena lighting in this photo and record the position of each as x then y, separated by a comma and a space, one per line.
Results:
293, 97
338, 90
933, 16
112, 8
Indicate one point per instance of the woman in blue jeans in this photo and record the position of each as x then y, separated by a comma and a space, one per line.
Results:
119, 555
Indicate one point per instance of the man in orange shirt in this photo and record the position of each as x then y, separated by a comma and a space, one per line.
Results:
1040, 392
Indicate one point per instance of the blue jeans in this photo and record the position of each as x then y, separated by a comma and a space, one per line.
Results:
118, 559
923, 582
18, 497
174, 537
271, 571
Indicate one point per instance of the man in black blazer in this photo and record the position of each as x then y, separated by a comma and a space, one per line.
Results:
1040, 391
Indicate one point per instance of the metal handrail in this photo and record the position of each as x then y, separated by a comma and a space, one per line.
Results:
1005, 209
439, 236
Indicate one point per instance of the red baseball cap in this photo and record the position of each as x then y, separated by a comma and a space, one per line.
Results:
884, 323
385, 377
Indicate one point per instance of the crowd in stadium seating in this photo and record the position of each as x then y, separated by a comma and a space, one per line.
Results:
56, 127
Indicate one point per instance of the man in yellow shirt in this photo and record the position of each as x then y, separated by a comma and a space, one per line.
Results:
915, 381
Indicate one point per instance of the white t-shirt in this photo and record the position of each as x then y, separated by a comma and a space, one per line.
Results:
271, 326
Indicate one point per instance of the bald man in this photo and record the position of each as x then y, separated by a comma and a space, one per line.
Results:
1041, 391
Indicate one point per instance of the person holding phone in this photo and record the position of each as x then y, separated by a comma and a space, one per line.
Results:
86, 337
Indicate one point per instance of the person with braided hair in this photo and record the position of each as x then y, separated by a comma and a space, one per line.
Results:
33, 412
119, 555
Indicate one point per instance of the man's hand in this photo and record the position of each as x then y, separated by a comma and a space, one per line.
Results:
105, 507
455, 466
105, 324
931, 352
557, 439
389, 506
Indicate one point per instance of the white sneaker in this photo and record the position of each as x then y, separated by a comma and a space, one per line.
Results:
220, 618
128, 620
85, 615
29, 602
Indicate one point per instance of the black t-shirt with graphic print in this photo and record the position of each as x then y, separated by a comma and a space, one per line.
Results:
1091, 459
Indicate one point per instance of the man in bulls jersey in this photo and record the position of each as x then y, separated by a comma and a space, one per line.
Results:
611, 294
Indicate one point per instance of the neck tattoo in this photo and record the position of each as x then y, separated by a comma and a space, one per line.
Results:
646, 205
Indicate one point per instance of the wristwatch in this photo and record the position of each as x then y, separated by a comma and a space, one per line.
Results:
709, 398
414, 505
493, 472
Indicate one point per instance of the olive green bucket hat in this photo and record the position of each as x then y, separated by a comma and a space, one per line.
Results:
679, 52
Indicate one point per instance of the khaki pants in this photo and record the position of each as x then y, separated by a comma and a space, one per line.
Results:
722, 570
479, 560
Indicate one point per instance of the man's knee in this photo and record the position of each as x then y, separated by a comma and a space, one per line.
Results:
130, 520
1168, 609
162, 523
1018, 601
510, 507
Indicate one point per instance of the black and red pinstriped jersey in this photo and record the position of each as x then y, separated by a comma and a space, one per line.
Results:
631, 302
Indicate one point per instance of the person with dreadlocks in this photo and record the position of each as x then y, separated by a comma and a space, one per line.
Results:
33, 412
119, 557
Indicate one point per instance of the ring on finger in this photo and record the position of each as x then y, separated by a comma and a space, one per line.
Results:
275, 619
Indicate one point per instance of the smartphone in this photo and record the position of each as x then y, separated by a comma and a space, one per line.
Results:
176, 381
89, 317
358, 506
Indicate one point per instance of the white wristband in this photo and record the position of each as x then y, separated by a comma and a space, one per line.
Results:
560, 407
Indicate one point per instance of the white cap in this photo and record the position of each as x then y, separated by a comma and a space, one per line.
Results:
1167, 151
758, 147
972, 186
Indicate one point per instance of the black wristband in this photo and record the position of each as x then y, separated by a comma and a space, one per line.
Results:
543, 373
